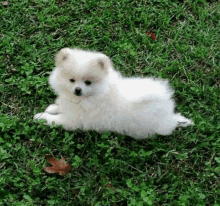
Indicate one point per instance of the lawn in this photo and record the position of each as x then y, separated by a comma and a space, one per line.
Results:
110, 169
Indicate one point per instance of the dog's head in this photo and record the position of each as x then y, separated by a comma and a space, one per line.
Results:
80, 73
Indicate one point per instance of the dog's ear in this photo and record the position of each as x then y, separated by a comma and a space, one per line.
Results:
104, 62
62, 56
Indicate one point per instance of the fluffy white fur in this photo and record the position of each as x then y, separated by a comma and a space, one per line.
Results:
138, 107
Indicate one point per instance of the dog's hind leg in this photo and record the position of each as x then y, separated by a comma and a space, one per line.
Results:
182, 121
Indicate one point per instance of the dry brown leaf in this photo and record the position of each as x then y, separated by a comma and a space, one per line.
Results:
59, 166
109, 185
153, 36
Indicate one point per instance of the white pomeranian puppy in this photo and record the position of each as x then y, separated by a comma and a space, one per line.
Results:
92, 95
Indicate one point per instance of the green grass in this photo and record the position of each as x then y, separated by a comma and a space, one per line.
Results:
180, 169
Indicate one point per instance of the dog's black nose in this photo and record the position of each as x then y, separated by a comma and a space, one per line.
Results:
78, 91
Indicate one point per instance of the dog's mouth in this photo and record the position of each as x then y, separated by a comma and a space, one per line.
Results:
78, 94
82, 96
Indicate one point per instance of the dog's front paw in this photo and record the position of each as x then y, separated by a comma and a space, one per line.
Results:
49, 118
45, 116
52, 109
41, 115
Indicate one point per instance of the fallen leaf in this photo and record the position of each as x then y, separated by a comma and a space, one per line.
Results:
4, 3
59, 166
153, 36
109, 185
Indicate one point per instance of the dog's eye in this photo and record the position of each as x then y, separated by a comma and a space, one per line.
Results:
72, 80
87, 82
